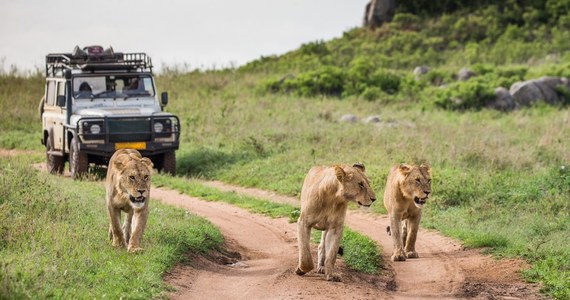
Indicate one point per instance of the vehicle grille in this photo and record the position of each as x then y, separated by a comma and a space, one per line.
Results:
129, 130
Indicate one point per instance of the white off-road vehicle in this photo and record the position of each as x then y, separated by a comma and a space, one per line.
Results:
97, 101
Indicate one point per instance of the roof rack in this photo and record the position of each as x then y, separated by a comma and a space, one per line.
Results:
94, 58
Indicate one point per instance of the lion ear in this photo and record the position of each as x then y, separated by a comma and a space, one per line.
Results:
359, 166
405, 169
340, 174
147, 162
121, 161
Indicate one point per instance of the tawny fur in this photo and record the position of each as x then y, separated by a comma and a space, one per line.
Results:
407, 190
128, 187
324, 199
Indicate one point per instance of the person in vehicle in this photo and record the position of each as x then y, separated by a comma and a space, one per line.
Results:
84, 91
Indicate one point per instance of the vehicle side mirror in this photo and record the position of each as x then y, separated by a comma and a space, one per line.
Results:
164, 98
61, 100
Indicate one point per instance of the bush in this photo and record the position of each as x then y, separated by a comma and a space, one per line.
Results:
465, 95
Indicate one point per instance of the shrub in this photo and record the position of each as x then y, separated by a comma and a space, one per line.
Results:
465, 95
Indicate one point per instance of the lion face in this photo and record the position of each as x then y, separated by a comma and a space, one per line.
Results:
135, 180
355, 184
417, 183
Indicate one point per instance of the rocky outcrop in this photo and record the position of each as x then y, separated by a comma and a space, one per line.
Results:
378, 12
543, 89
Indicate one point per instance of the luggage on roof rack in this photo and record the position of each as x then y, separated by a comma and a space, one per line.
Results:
95, 58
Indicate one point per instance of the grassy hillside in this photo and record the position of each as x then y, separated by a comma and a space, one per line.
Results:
499, 180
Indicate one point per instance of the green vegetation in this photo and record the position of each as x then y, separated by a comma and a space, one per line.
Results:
57, 246
499, 180
360, 252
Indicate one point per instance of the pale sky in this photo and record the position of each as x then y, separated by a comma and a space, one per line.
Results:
202, 33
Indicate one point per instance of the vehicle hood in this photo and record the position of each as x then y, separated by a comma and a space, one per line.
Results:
116, 111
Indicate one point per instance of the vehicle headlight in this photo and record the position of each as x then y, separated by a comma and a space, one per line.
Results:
95, 129
158, 127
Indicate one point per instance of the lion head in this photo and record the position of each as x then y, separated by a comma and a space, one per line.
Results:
355, 185
417, 183
134, 176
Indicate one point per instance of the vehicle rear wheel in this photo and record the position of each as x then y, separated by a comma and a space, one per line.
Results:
169, 163
55, 163
78, 161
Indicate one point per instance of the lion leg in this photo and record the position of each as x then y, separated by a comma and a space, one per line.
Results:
404, 232
321, 254
332, 241
414, 225
127, 226
139, 224
396, 227
304, 242
115, 228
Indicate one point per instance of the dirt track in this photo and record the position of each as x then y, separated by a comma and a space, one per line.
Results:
269, 255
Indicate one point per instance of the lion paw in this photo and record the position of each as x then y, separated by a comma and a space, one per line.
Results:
398, 257
135, 250
334, 278
321, 270
299, 272
412, 254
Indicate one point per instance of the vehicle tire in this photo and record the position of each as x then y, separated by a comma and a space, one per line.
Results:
55, 163
78, 161
169, 163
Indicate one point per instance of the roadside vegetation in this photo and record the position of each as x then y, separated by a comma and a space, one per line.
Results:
500, 180
54, 241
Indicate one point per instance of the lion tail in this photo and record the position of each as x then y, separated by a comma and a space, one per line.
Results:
388, 231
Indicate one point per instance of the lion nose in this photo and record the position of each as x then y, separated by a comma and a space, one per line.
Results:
372, 199
427, 193
141, 191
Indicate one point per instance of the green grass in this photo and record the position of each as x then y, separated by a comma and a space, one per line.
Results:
360, 252
54, 240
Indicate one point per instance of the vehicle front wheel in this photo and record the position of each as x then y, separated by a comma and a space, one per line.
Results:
169, 163
55, 163
78, 161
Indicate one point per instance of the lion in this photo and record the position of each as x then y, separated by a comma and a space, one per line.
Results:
325, 196
407, 190
128, 188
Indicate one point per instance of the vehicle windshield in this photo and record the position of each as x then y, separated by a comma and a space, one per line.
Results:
113, 86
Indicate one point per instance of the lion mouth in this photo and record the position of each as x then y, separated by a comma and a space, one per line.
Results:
420, 201
139, 199
364, 205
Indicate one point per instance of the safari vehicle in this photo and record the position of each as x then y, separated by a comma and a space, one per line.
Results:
97, 101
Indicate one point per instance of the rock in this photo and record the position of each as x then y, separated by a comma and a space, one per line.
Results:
378, 12
504, 101
420, 70
465, 74
348, 118
372, 119
528, 92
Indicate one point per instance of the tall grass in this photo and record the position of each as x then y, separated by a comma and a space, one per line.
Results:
54, 240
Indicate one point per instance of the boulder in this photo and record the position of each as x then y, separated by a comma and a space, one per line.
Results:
528, 92
378, 12
372, 119
504, 101
420, 70
465, 74
348, 118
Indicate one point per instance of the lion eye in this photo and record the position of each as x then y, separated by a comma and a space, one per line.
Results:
132, 178
418, 182
145, 177
361, 184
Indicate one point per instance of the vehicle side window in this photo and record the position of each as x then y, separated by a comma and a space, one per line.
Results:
50, 93
60, 89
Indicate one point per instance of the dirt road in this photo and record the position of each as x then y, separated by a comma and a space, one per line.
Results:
269, 255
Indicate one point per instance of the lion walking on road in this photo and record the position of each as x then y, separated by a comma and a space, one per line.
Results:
128, 188
324, 200
407, 190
